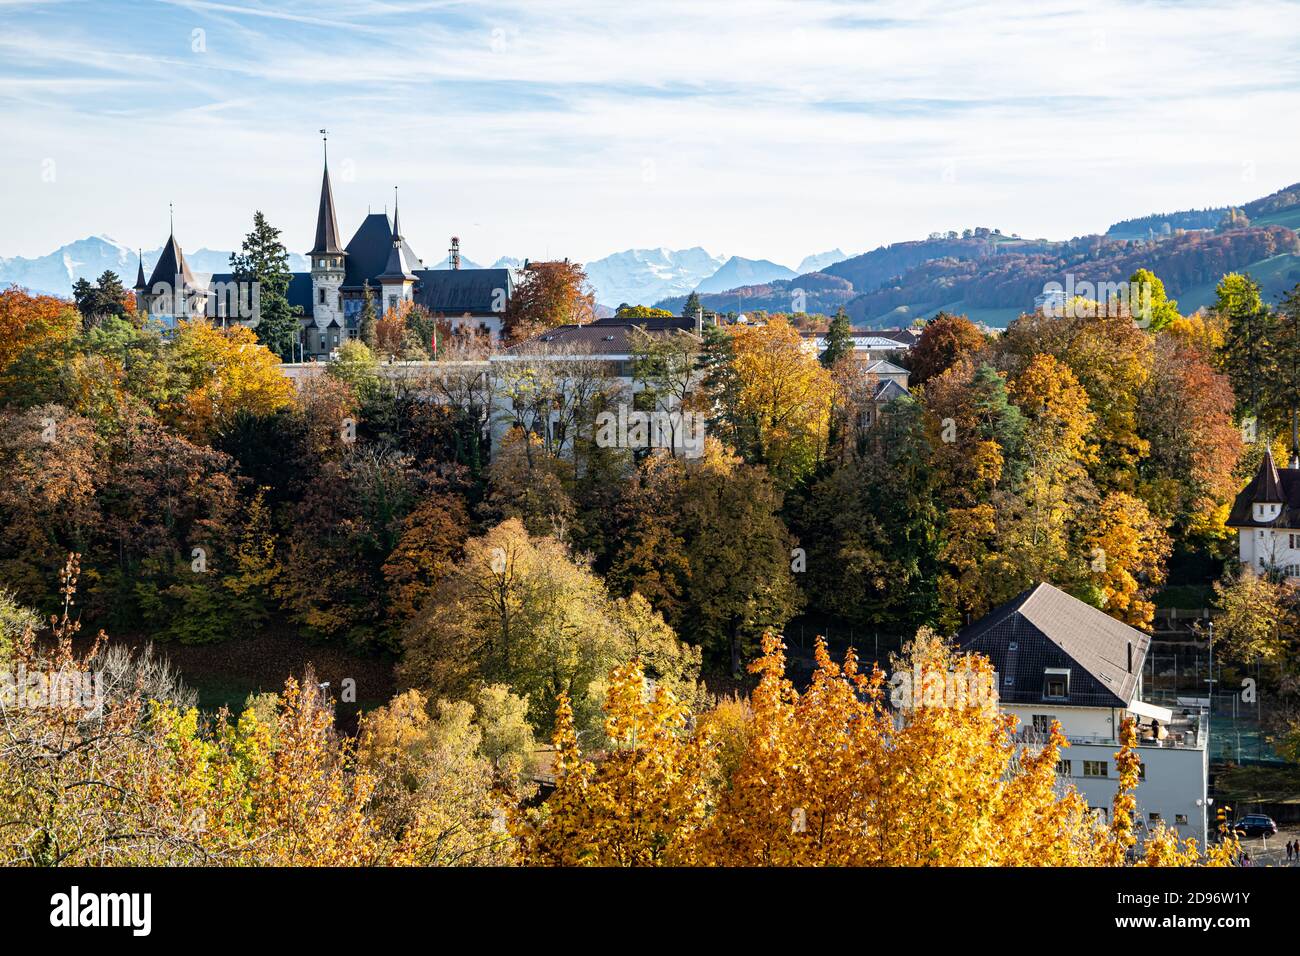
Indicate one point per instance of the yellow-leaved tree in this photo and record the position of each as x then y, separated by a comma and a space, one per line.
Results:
641, 802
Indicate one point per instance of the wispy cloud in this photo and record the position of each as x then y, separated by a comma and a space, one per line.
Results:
763, 127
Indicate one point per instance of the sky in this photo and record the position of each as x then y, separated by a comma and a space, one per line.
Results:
552, 128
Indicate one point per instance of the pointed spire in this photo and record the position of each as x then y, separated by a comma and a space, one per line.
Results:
397, 267
327, 227
1268, 484
171, 263
139, 275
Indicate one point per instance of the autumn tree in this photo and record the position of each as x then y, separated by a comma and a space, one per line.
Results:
1258, 617
779, 409
1185, 414
830, 777
516, 609
223, 372
945, 339
1151, 307
703, 540
644, 802
35, 334
548, 294
436, 794
1249, 328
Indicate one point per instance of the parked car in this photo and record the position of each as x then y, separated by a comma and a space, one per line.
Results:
1255, 824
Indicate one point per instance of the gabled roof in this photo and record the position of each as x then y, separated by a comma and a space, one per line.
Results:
327, 227
368, 252
1046, 628
881, 367
171, 263
889, 390
454, 292
1271, 485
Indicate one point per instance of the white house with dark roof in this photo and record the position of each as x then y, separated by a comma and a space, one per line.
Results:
1266, 517
1058, 658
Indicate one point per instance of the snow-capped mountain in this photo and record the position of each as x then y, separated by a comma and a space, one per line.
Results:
55, 273
635, 276
464, 263
821, 260
642, 276
737, 272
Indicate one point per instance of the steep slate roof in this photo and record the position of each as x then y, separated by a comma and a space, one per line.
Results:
368, 252
299, 293
457, 291
1046, 628
327, 224
139, 275
171, 263
397, 266
1270, 485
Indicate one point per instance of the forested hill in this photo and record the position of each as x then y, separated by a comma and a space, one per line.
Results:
996, 288
993, 277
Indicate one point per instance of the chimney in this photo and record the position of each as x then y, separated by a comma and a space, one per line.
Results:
454, 252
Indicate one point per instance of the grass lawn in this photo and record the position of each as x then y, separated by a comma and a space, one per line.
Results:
1185, 596
225, 674
1272, 784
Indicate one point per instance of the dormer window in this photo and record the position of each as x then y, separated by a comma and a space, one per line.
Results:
1056, 683
1266, 512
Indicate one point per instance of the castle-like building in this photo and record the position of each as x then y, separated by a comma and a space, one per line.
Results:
377, 261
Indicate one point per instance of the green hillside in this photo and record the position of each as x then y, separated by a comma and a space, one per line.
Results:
1276, 275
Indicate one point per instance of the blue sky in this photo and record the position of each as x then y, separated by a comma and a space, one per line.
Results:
758, 128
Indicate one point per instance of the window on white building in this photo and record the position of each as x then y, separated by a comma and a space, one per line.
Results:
1064, 768
1095, 768
1153, 817
1180, 819
1043, 723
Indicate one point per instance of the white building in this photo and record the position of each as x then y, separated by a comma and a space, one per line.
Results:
1266, 517
1060, 659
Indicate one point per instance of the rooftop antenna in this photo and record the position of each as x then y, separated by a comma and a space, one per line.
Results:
171, 217
325, 141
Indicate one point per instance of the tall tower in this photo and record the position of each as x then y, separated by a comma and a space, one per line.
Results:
327, 256
397, 280
141, 286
